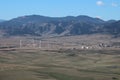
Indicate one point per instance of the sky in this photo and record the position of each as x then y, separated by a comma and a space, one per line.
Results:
103, 9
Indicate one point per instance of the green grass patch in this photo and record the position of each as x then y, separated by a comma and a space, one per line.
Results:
60, 76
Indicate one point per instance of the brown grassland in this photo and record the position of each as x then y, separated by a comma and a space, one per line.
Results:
63, 61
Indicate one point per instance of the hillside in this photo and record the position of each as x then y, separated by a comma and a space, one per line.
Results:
59, 26
1, 20
113, 28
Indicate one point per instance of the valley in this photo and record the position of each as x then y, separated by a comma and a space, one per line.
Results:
59, 40
59, 58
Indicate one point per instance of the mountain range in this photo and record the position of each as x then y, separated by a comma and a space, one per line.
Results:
59, 26
2, 20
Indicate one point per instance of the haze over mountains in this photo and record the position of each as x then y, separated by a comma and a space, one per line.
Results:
1, 20
60, 26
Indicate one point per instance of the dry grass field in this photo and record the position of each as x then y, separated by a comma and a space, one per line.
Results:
60, 62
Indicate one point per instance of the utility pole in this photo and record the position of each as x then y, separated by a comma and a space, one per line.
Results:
48, 44
40, 44
20, 43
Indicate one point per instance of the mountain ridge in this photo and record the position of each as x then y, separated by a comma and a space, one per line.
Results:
69, 25
1, 20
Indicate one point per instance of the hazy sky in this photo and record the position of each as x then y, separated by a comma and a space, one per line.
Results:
104, 9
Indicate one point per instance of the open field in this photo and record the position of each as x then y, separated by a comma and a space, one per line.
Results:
92, 42
30, 64
60, 58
